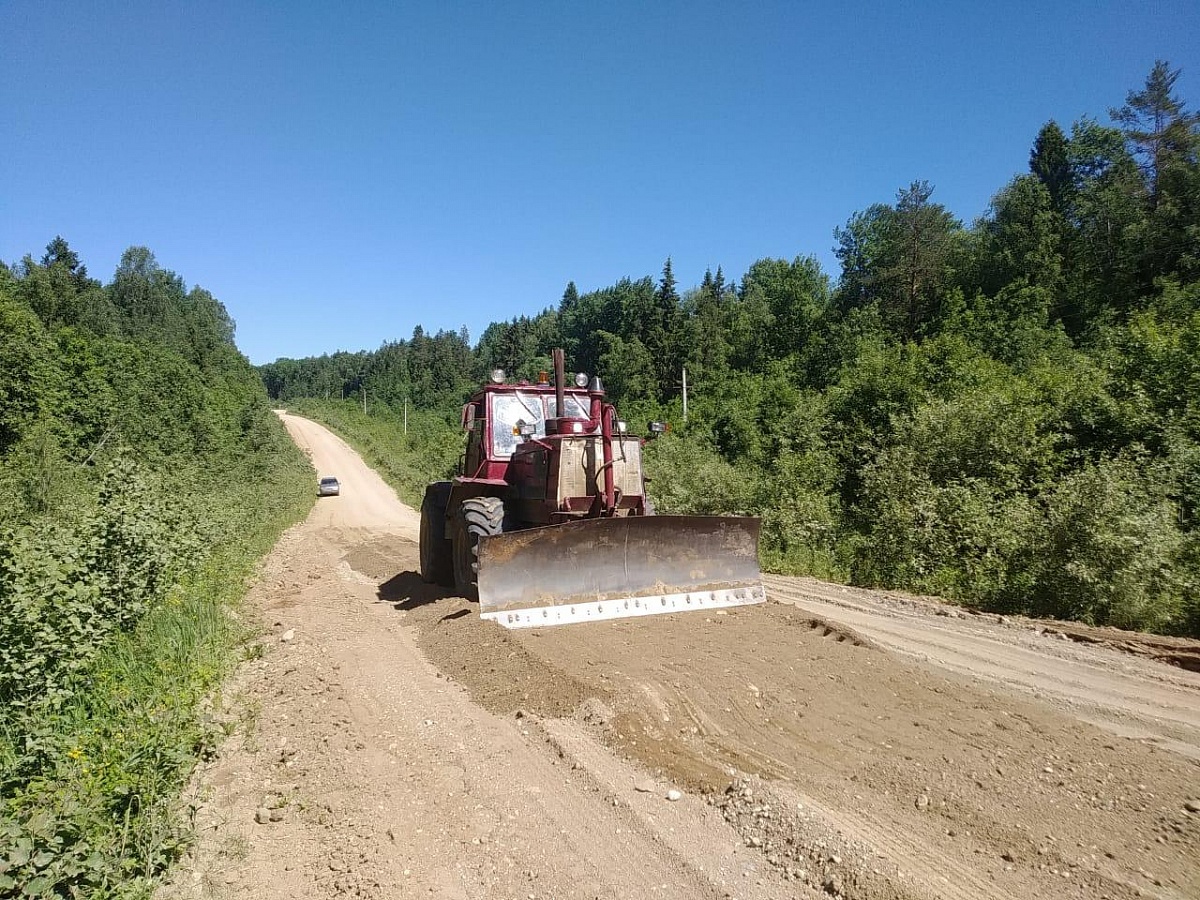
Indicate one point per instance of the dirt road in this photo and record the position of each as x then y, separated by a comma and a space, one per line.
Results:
831, 742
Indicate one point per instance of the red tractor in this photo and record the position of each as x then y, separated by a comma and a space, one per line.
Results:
548, 522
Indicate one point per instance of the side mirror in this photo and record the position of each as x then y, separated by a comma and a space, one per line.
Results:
468, 416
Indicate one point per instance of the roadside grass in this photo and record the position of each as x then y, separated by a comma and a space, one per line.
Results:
91, 782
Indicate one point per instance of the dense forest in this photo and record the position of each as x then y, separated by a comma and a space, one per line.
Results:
141, 474
1002, 413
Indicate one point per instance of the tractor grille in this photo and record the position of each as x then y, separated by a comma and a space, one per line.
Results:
579, 472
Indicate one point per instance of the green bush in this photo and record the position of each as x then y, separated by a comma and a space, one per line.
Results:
64, 588
115, 631
1112, 553
688, 478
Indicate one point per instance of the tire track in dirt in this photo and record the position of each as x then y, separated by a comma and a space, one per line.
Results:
1130, 696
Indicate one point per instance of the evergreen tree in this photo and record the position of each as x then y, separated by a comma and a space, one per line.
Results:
668, 296
59, 252
1049, 162
1157, 124
660, 339
718, 283
570, 298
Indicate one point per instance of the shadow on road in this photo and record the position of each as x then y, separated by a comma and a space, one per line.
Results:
408, 591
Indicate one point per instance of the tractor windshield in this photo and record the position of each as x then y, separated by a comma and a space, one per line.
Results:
576, 406
508, 411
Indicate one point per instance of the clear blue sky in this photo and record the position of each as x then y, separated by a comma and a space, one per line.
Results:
337, 173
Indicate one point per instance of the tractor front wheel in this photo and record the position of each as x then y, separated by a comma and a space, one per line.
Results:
477, 517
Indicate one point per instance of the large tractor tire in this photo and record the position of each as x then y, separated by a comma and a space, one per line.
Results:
437, 555
477, 517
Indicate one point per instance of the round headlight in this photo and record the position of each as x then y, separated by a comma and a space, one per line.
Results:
497, 376
581, 379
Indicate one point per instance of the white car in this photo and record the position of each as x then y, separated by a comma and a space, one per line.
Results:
328, 487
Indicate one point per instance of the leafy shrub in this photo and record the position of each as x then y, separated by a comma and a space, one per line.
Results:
64, 588
1112, 552
963, 539
130, 635
689, 478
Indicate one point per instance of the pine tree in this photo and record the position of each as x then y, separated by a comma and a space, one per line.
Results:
570, 298
1048, 160
668, 296
59, 252
660, 339
1156, 124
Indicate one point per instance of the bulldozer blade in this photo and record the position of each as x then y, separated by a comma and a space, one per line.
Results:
595, 569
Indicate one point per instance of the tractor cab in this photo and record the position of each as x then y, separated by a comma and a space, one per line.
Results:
501, 417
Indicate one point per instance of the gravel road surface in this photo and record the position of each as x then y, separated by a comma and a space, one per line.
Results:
386, 743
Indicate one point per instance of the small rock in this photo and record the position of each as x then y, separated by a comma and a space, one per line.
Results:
1192, 806
287, 635
593, 711
832, 884
674, 795
923, 802
1008, 856
276, 815
752, 841
645, 786
262, 815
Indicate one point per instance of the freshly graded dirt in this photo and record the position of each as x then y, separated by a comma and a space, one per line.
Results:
832, 742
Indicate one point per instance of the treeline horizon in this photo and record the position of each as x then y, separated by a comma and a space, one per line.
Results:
1002, 413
